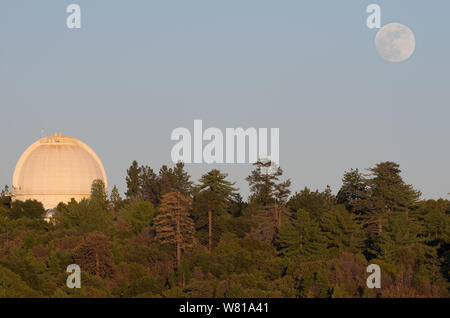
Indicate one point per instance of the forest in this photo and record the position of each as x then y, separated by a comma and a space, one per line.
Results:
169, 236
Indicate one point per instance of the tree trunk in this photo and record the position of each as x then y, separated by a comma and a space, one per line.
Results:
183, 280
210, 229
178, 235
278, 215
97, 264
178, 255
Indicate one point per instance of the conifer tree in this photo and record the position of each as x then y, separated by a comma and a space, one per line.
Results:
352, 190
341, 231
150, 186
175, 180
435, 220
315, 202
115, 198
385, 193
173, 225
182, 180
98, 194
302, 236
213, 197
264, 185
94, 255
133, 180
267, 190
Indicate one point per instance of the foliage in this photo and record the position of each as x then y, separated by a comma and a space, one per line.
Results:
169, 238
173, 225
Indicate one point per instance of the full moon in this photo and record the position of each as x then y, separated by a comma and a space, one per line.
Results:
395, 42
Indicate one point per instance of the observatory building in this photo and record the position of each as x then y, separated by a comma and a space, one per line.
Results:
56, 169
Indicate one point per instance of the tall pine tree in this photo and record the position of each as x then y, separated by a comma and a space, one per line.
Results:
173, 225
133, 180
211, 201
268, 191
385, 193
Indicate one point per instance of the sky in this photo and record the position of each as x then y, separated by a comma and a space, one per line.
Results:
138, 69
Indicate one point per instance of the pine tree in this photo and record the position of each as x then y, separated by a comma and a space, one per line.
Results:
436, 220
302, 236
315, 202
98, 194
266, 189
30, 208
165, 179
175, 180
264, 185
353, 186
173, 225
216, 182
94, 255
150, 187
342, 232
133, 179
115, 198
385, 193
212, 199
182, 180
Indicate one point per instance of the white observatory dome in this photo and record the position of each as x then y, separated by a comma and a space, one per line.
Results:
56, 169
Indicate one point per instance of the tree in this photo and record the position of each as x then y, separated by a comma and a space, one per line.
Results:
264, 185
173, 225
133, 180
12, 286
150, 186
216, 182
341, 230
385, 193
266, 189
94, 255
84, 217
435, 219
182, 182
213, 197
115, 198
5, 198
351, 192
30, 208
302, 237
165, 179
175, 180
98, 194
315, 202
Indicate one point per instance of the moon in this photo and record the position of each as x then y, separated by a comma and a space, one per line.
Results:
395, 42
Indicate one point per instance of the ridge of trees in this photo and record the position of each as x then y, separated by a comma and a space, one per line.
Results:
170, 237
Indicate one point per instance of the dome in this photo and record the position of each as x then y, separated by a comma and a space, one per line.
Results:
56, 169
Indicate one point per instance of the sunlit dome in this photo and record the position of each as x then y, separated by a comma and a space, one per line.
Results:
56, 169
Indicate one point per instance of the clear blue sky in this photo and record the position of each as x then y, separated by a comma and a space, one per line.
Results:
138, 69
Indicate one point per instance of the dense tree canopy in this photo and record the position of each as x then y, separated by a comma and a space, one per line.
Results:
170, 237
